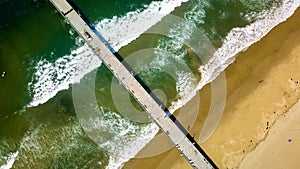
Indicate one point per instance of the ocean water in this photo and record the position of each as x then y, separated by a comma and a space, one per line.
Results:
43, 60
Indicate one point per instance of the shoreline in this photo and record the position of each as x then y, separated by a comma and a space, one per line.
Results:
261, 88
282, 139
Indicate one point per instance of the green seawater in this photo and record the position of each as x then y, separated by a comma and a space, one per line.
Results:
50, 135
32, 31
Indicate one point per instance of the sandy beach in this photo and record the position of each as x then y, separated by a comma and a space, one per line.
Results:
261, 118
280, 148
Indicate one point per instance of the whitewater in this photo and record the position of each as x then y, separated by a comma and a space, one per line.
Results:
120, 31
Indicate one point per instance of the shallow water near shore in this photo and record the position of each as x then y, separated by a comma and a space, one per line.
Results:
39, 54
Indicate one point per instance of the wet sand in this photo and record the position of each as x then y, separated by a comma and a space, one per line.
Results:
281, 147
262, 85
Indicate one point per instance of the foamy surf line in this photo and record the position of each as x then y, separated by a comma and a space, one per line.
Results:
237, 40
50, 78
66, 68
10, 160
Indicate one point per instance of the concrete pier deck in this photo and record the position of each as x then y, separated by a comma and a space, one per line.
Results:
183, 141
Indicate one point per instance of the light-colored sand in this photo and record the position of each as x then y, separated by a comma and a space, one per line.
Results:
262, 85
281, 147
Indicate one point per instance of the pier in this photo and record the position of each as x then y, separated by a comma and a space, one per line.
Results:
167, 123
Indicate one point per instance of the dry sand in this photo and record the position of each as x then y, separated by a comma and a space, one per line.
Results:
281, 147
262, 85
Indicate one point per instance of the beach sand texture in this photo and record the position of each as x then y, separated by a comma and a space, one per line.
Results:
257, 129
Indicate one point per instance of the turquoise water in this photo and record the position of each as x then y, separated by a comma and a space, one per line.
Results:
32, 33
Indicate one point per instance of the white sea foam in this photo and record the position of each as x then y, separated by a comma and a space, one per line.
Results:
128, 138
130, 27
119, 31
50, 78
186, 86
10, 160
169, 55
240, 39
41, 143
119, 136
237, 40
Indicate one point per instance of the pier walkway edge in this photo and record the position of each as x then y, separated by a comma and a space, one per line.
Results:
167, 123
